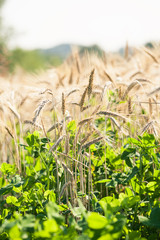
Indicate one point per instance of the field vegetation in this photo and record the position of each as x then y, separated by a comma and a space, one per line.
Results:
79, 149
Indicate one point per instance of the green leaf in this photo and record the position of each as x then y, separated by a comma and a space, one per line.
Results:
12, 200
135, 170
106, 237
111, 183
151, 186
128, 152
51, 225
134, 235
5, 190
135, 142
30, 140
96, 221
103, 181
154, 220
71, 126
45, 140
7, 168
128, 162
14, 233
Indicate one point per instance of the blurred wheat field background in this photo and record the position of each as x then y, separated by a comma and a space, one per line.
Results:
124, 90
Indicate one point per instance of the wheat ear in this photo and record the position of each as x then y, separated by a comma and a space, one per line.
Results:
90, 85
39, 109
111, 114
83, 99
92, 142
56, 143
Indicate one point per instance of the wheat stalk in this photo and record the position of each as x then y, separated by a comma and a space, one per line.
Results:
64, 187
56, 144
129, 106
146, 127
39, 109
110, 79
63, 104
72, 91
33, 124
92, 142
151, 55
86, 120
154, 91
9, 132
133, 84
150, 107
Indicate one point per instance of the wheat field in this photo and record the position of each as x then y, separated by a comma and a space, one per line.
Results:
124, 89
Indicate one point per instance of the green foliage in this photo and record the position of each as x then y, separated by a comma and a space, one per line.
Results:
30, 206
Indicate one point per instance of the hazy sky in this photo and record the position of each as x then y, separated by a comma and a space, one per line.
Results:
109, 23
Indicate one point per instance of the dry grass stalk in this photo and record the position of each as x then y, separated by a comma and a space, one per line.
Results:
67, 147
74, 103
39, 109
56, 125
150, 106
70, 78
86, 138
154, 130
56, 144
118, 125
64, 187
135, 74
13, 110
63, 104
120, 92
129, 106
23, 101
154, 91
67, 169
110, 79
61, 81
112, 114
103, 91
92, 142
83, 99
90, 85
151, 55
47, 91
78, 65
9, 132
133, 84
33, 124
72, 91
73, 159
86, 120
96, 110
77, 136
86, 107
148, 125
98, 131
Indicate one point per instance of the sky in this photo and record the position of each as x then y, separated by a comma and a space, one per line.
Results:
108, 23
